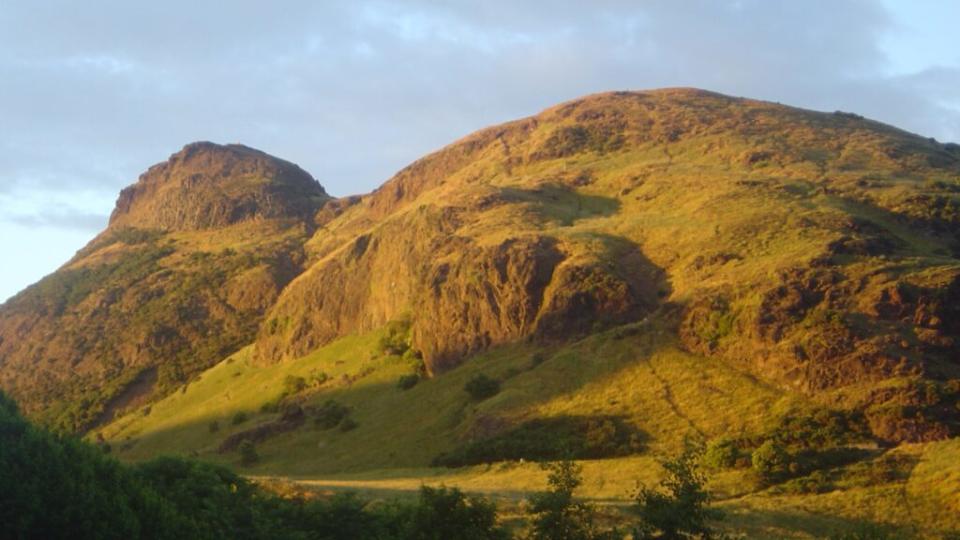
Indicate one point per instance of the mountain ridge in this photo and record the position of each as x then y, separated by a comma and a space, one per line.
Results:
814, 250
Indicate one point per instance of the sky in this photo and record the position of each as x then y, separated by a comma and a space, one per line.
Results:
92, 93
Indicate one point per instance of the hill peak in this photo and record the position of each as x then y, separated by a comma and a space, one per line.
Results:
208, 185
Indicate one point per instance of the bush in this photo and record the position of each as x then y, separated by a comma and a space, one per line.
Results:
816, 482
214, 426
820, 428
555, 514
549, 439
318, 379
330, 414
678, 507
482, 387
414, 356
407, 382
239, 418
294, 385
348, 424
248, 453
722, 454
396, 340
442, 513
773, 462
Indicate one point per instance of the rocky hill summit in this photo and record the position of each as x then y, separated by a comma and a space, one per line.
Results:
196, 251
815, 251
206, 185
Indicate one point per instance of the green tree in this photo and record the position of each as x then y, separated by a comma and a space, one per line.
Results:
557, 515
443, 513
722, 454
772, 461
677, 508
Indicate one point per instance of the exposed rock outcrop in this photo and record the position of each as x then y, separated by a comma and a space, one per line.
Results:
207, 186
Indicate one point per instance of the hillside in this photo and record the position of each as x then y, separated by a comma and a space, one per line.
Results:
816, 251
196, 252
631, 269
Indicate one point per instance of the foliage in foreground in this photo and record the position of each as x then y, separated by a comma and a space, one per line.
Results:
60, 487
556, 515
677, 508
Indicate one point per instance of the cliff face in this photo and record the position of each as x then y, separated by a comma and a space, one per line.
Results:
817, 251
196, 251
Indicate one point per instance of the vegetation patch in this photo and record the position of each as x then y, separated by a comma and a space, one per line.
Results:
798, 444
482, 387
330, 415
547, 439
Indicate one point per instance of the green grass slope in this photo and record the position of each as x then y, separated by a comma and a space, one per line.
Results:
635, 373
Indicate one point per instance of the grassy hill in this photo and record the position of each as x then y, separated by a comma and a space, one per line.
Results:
602, 280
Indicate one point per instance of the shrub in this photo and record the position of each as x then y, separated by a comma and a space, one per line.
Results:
294, 385
330, 414
214, 426
722, 454
816, 482
239, 418
248, 453
555, 514
318, 379
820, 428
448, 513
396, 340
547, 439
348, 424
772, 461
482, 387
678, 507
407, 382
414, 356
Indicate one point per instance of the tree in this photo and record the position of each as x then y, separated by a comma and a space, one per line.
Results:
443, 513
722, 454
677, 508
772, 461
556, 515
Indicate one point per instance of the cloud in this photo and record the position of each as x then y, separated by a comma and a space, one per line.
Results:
73, 221
95, 92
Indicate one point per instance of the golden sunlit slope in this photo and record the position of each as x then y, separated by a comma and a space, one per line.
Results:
195, 253
814, 250
608, 277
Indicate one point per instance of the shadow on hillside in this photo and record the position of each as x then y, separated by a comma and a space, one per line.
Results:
562, 203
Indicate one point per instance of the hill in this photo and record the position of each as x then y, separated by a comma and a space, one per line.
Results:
196, 252
618, 272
